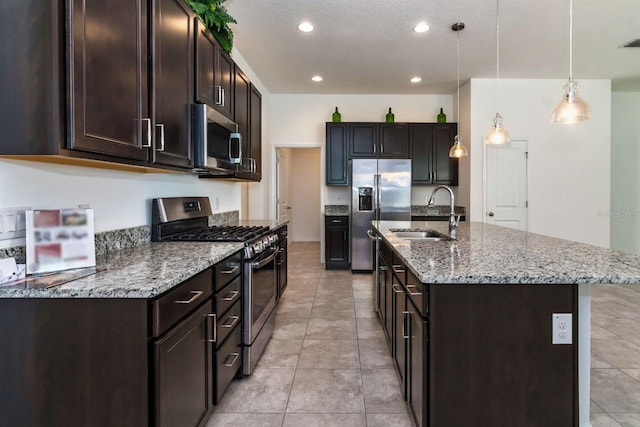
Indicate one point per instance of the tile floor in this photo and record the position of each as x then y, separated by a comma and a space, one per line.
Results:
328, 364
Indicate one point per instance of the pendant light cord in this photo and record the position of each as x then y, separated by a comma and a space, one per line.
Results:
458, 79
570, 40
497, 55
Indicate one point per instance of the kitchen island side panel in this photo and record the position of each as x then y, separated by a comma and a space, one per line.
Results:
48, 344
492, 358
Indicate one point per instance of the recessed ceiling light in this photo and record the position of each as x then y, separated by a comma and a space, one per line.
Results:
416, 79
305, 27
316, 78
422, 27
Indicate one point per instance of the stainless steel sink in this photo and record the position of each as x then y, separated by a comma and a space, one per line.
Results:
423, 235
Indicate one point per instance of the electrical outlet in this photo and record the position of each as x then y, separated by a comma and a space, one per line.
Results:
12, 225
562, 328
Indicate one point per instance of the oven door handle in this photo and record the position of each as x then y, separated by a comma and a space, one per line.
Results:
259, 264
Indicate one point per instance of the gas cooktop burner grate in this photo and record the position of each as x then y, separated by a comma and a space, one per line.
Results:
226, 233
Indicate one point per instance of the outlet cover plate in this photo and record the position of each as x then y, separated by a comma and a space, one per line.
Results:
562, 328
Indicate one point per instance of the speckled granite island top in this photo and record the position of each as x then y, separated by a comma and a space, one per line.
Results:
488, 254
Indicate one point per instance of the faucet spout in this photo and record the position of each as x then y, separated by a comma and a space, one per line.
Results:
453, 219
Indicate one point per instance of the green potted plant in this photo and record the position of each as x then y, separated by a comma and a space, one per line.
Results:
217, 19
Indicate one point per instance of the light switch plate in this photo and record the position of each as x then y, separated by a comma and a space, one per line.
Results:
12, 225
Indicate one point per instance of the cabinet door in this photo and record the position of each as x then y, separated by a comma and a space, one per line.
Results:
109, 99
445, 169
173, 82
183, 373
394, 141
241, 108
224, 83
255, 133
417, 377
336, 244
363, 140
336, 146
206, 47
400, 333
421, 141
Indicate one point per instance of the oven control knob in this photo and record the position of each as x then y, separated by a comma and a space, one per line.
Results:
257, 247
273, 238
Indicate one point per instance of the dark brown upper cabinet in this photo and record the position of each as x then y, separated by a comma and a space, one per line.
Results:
242, 110
393, 141
173, 82
430, 161
215, 73
255, 133
336, 150
378, 140
108, 79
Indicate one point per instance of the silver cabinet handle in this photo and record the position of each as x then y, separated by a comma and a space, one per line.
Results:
231, 270
223, 96
396, 289
381, 147
264, 262
161, 126
337, 221
372, 236
405, 335
234, 320
196, 295
374, 147
413, 293
254, 167
235, 357
384, 268
214, 327
148, 144
231, 296
219, 100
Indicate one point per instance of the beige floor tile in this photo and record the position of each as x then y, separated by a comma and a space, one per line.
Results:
633, 373
615, 391
369, 329
289, 329
333, 391
331, 329
364, 310
603, 420
374, 354
281, 354
329, 354
219, 419
266, 390
389, 420
324, 420
627, 419
382, 391
620, 353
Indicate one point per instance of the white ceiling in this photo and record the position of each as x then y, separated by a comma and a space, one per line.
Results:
368, 46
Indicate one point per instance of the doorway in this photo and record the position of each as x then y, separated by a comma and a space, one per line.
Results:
298, 191
506, 185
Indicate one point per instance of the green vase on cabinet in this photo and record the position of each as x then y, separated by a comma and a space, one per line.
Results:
442, 117
336, 117
389, 117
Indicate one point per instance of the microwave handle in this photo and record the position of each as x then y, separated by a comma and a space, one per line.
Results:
239, 147
161, 126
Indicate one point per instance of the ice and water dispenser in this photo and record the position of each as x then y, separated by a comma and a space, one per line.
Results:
365, 199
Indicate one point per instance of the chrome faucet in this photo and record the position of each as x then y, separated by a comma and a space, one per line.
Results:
453, 218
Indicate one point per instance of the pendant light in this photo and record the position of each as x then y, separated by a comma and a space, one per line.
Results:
571, 108
458, 149
497, 134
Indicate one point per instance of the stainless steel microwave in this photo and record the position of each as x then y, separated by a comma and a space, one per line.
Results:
217, 143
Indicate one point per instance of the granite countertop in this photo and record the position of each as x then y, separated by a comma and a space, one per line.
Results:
143, 271
488, 254
436, 210
336, 210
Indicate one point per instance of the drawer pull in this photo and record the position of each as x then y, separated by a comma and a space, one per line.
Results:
230, 325
231, 296
336, 221
235, 357
231, 270
405, 335
396, 289
213, 328
398, 268
196, 295
413, 293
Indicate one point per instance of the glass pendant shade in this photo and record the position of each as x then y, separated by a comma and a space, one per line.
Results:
571, 109
458, 149
497, 134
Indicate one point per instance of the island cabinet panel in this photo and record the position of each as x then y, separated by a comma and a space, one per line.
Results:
492, 361
74, 362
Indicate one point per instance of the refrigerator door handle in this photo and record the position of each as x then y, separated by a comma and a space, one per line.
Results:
377, 205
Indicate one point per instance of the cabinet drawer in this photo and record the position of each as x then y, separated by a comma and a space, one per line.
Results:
226, 323
227, 296
337, 221
418, 294
169, 308
226, 362
227, 269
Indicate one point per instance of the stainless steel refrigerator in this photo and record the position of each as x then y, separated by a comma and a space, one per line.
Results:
380, 190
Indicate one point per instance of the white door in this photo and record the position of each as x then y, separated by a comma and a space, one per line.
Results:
282, 178
506, 185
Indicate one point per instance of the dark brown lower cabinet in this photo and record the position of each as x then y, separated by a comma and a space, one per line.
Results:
183, 374
400, 334
418, 365
336, 232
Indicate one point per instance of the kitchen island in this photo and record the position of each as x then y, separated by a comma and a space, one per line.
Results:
487, 300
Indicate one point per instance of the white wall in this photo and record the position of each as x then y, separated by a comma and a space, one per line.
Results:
304, 183
625, 171
299, 120
569, 165
119, 199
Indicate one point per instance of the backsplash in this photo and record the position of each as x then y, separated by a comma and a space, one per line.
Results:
110, 241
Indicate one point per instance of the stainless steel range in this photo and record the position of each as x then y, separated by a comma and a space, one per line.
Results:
183, 219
